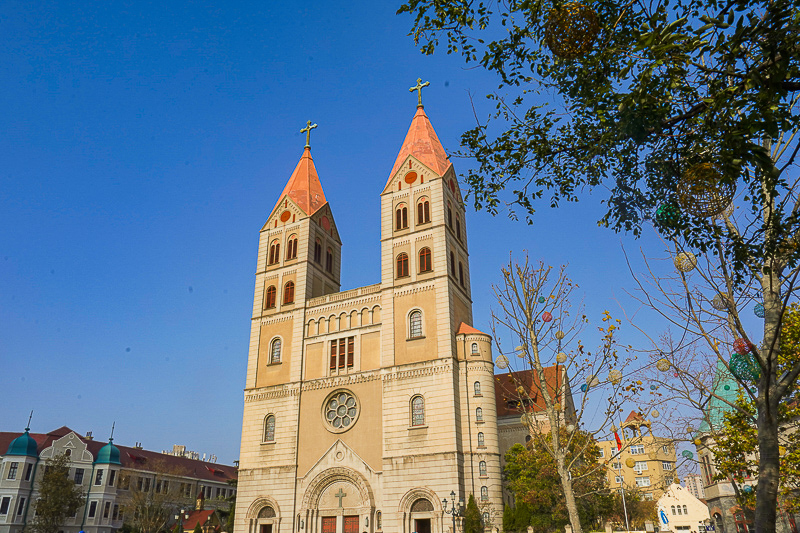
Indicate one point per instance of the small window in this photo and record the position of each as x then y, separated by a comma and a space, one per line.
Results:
92, 509
637, 449
329, 260
425, 260
417, 411
480, 439
423, 211
484, 494
291, 247
28, 471
269, 428
318, 251
98, 480
342, 354
458, 227
288, 293
378, 520
269, 300
453, 264
485, 518
12, 470
275, 352
5, 503
461, 273
401, 217
402, 265
112, 476
474, 349
478, 414
666, 465
415, 324
482, 468
685, 510
106, 509
602, 453
477, 387
449, 215
274, 253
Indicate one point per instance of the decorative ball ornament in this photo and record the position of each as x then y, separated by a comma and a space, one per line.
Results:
557, 406
521, 355
527, 419
501, 361
592, 381
541, 299
570, 428
584, 387
747, 489
630, 462
782, 450
744, 367
571, 30
727, 387
668, 215
614, 376
687, 454
759, 311
655, 413
703, 192
546, 317
685, 261
561, 357
697, 442
559, 334
690, 429
653, 387
741, 346
663, 365
520, 390
720, 302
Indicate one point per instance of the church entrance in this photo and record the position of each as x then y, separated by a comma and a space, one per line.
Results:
328, 524
422, 525
265, 528
350, 524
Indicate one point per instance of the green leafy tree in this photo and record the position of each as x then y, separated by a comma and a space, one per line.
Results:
59, 497
197, 528
153, 498
670, 111
472, 517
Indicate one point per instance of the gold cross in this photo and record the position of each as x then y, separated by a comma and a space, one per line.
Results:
418, 88
307, 131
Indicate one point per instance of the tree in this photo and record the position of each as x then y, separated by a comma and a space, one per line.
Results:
152, 498
535, 310
472, 517
676, 110
197, 528
59, 497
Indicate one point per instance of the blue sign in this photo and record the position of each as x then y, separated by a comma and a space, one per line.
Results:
664, 518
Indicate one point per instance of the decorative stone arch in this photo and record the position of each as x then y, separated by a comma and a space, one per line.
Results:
365, 316
354, 318
404, 510
260, 503
324, 479
312, 331
333, 324
258, 515
343, 324
376, 314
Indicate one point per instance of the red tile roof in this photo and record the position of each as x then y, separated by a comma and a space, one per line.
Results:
196, 517
507, 397
466, 330
304, 187
135, 458
423, 143
634, 417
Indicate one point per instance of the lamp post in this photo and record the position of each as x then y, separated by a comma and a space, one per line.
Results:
180, 518
454, 511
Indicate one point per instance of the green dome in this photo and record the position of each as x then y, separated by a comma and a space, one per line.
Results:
108, 455
24, 445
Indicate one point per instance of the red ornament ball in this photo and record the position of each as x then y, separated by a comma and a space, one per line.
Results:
546, 317
741, 346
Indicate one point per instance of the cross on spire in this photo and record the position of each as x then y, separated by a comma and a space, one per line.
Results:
418, 88
307, 131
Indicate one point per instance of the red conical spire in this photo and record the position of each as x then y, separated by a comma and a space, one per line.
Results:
422, 142
304, 187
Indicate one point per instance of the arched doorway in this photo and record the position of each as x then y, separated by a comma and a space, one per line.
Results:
338, 501
422, 515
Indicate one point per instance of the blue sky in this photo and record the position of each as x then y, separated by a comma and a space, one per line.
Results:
143, 146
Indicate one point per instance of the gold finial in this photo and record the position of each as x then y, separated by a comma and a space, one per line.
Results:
418, 88
307, 131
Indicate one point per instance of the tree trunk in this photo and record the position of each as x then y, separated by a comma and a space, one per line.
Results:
768, 464
569, 496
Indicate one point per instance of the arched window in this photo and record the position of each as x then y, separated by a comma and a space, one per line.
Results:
458, 227
485, 519
378, 520
329, 260
288, 293
453, 264
269, 300
423, 211
269, 428
484, 494
291, 247
417, 411
425, 260
475, 350
318, 251
477, 387
673, 509
402, 265
274, 252
415, 324
401, 217
685, 510
480, 439
275, 352
482, 468
449, 215
478, 414
461, 273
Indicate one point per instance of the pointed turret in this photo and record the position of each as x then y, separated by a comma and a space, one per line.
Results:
304, 187
423, 143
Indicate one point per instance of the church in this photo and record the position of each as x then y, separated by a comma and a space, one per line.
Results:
365, 409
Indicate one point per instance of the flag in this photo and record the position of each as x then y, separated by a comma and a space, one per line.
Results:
619, 441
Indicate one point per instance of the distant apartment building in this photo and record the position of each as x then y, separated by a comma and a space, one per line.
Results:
694, 484
107, 475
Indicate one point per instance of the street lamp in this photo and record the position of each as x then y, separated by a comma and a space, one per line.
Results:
454, 511
180, 518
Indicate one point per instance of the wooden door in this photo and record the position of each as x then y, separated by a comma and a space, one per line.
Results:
328, 524
350, 524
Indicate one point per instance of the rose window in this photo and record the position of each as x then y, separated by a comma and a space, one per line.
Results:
341, 410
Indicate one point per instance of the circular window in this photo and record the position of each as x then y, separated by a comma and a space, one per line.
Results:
340, 411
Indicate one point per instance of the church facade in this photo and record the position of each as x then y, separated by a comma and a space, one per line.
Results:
365, 409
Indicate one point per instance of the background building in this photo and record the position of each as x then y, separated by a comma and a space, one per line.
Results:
364, 409
694, 484
682, 510
107, 475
